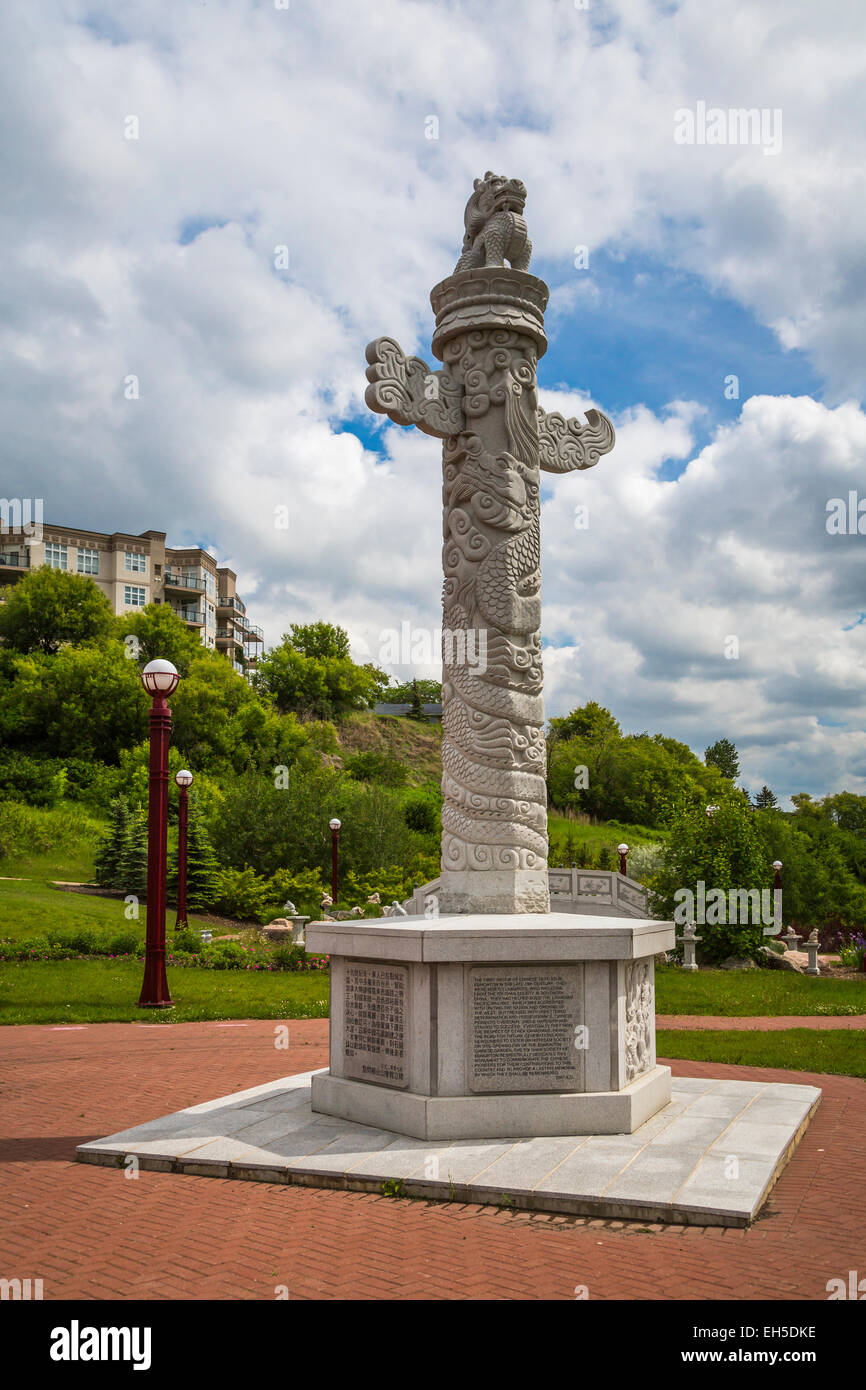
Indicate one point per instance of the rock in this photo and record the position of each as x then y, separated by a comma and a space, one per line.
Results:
777, 962
738, 963
280, 929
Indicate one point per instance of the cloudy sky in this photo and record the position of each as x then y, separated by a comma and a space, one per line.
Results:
159, 154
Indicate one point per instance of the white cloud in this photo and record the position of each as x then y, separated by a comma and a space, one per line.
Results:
306, 129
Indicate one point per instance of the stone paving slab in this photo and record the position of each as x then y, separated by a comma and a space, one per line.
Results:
710, 1157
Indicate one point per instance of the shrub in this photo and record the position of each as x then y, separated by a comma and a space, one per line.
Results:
376, 767
34, 780
225, 955
188, 940
292, 957
304, 889
242, 894
81, 941
643, 861
420, 814
126, 943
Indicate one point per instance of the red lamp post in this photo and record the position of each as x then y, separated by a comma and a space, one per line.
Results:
335, 837
184, 782
622, 851
159, 679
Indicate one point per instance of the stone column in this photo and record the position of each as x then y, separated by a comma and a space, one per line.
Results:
489, 335
483, 404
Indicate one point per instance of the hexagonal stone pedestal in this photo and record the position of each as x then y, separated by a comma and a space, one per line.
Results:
486, 1025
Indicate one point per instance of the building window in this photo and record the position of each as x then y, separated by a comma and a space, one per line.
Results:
133, 596
88, 560
55, 555
135, 562
157, 569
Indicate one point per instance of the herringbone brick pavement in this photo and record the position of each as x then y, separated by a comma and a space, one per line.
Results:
92, 1233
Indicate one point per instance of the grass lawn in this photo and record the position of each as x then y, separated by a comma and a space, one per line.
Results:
747, 993
840, 1053
72, 866
106, 991
31, 907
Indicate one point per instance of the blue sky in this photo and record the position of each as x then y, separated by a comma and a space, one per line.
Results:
312, 129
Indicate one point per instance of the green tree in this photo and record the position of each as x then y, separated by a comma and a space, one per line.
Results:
202, 864
722, 851
85, 702
417, 709
157, 631
319, 641
132, 864
314, 686
49, 607
430, 692
723, 755
590, 721
221, 725
110, 849
847, 810
765, 800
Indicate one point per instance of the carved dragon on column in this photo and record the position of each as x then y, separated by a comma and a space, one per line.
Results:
484, 405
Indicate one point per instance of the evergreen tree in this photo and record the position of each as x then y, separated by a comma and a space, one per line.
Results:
202, 865
417, 710
765, 800
132, 866
111, 846
723, 755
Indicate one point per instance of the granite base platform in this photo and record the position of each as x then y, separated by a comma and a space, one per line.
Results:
708, 1157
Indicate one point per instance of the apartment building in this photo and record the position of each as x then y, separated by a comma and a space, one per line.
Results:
134, 570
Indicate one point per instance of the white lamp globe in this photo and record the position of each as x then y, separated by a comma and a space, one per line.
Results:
622, 849
159, 677
335, 824
183, 778
777, 864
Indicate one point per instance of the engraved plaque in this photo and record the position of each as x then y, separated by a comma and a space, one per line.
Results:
375, 1023
524, 1028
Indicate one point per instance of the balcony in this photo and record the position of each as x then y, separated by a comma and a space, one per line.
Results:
253, 634
186, 583
225, 603
12, 567
193, 617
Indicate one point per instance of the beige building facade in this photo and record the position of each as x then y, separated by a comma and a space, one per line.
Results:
134, 570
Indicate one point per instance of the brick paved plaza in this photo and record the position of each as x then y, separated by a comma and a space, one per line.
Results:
93, 1233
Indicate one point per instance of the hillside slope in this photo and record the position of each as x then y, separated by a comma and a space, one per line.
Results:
417, 745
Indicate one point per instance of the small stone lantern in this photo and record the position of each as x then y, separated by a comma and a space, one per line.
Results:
812, 947
689, 941
792, 939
